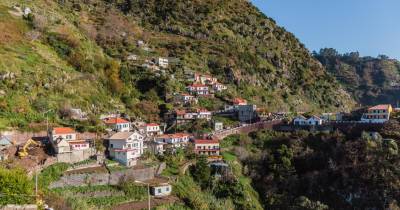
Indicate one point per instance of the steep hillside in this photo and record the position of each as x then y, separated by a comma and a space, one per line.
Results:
369, 80
73, 54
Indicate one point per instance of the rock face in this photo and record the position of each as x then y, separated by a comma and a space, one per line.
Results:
369, 80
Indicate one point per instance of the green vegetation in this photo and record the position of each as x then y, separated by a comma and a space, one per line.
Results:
303, 170
70, 54
51, 174
369, 80
15, 187
101, 197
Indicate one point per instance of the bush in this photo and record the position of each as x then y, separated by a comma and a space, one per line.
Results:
52, 173
15, 187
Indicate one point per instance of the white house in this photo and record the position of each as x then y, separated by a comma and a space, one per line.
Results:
150, 129
126, 147
172, 141
185, 98
198, 89
314, 120
161, 189
300, 120
205, 79
162, 62
64, 140
118, 124
218, 87
204, 114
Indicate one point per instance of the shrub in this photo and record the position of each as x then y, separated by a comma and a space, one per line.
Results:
15, 187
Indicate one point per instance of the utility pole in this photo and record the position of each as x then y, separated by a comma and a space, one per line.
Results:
36, 184
148, 193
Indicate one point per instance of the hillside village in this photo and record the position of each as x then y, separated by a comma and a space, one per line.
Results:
201, 137
127, 144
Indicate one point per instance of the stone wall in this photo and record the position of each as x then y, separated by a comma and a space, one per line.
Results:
19, 207
246, 129
112, 178
75, 156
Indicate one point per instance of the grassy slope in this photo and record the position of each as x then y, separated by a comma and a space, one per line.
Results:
79, 58
36, 65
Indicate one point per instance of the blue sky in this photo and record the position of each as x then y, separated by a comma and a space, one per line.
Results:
371, 27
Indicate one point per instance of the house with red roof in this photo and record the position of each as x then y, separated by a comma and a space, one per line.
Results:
239, 101
65, 140
170, 142
377, 114
126, 147
118, 124
206, 147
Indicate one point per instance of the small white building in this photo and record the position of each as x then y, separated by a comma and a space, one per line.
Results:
162, 62
126, 147
204, 114
118, 124
218, 126
198, 89
132, 57
314, 120
185, 98
150, 129
160, 190
218, 87
170, 141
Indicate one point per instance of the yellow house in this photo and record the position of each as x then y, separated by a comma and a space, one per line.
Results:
378, 114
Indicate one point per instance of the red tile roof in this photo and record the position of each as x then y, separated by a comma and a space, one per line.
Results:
380, 107
63, 130
78, 142
198, 85
239, 101
115, 120
152, 124
206, 141
180, 112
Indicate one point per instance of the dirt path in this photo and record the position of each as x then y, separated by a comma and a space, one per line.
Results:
144, 205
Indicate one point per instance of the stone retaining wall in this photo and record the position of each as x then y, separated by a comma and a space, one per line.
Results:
104, 178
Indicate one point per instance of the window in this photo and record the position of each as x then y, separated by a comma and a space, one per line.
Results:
159, 190
167, 189
112, 146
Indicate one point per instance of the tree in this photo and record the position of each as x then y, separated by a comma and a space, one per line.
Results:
15, 187
201, 172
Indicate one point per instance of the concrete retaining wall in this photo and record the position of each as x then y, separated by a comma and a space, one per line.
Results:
75, 156
104, 178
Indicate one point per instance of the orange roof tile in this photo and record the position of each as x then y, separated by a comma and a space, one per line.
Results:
239, 101
63, 130
180, 112
152, 124
206, 141
380, 107
115, 120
